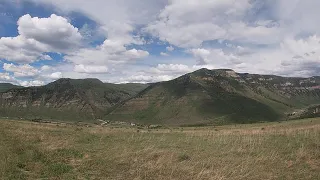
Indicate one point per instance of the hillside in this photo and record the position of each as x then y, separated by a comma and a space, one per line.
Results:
202, 97
65, 99
220, 97
7, 86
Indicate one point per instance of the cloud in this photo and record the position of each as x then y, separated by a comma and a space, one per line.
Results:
90, 69
145, 78
38, 36
297, 16
118, 18
170, 48
37, 76
21, 50
136, 54
171, 69
160, 72
164, 54
21, 70
188, 25
45, 57
306, 47
55, 32
55, 75
45, 68
110, 52
113, 14
32, 83
292, 57
267, 37
301, 57
6, 78
214, 56
113, 46
157, 73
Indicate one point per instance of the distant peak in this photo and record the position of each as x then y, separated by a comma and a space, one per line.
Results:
93, 80
87, 79
7, 84
204, 71
61, 81
72, 82
225, 70
201, 70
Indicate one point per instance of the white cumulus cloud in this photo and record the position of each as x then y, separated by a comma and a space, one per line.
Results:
107, 53
38, 36
55, 32
190, 23
56, 75
21, 70
6, 78
164, 54
90, 69
170, 48
32, 83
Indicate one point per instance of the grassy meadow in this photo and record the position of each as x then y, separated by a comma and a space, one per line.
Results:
286, 150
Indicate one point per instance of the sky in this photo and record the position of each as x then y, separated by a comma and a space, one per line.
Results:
143, 41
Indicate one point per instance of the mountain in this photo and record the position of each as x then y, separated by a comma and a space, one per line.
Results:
220, 97
202, 97
7, 86
66, 99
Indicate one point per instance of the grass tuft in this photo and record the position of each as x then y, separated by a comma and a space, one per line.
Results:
183, 157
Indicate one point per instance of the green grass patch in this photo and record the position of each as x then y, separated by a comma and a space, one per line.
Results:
286, 150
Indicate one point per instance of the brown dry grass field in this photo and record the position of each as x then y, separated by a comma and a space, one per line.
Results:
286, 150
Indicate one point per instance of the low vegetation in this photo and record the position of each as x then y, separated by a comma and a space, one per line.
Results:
287, 150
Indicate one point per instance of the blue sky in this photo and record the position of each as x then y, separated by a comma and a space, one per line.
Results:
122, 41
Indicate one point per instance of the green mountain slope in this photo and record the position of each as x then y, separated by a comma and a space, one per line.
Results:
219, 97
201, 97
7, 86
66, 99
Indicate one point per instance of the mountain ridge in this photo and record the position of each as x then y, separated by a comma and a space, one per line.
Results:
7, 86
205, 96
73, 99
222, 87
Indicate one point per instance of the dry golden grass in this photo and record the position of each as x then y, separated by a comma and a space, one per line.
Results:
287, 150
